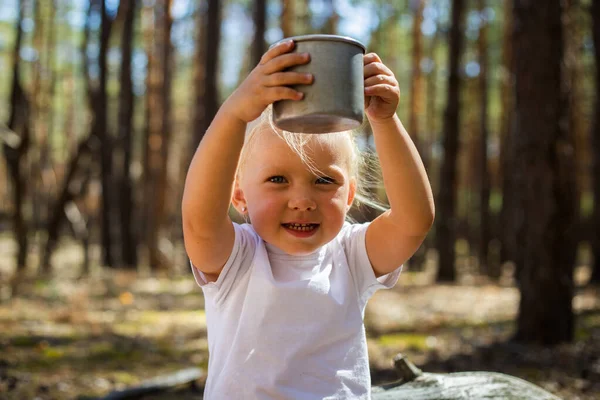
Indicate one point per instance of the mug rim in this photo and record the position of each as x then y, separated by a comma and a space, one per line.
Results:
322, 37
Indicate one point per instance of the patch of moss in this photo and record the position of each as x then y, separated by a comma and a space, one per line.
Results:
124, 377
404, 340
24, 341
590, 321
106, 352
151, 317
53, 353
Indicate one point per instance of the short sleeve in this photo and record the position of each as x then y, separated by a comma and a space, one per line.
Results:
237, 264
353, 240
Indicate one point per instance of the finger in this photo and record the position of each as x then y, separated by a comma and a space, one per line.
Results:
371, 57
288, 78
283, 93
384, 91
381, 79
284, 61
279, 49
376, 68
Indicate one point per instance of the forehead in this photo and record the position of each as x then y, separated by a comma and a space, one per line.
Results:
322, 150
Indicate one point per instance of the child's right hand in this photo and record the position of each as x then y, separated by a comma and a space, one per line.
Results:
267, 83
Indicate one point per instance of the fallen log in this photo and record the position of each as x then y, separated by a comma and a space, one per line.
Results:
158, 384
416, 385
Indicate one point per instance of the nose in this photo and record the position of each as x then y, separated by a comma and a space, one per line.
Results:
302, 202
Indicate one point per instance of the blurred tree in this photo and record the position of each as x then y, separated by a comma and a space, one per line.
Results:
40, 182
416, 100
260, 22
158, 130
16, 144
431, 119
207, 56
576, 119
446, 201
544, 177
595, 144
416, 82
288, 17
125, 135
482, 166
507, 240
99, 109
78, 169
331, 24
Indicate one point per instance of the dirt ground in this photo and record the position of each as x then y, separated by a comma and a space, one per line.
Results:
69, 337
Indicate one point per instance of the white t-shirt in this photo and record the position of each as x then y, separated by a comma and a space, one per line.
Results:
290, 327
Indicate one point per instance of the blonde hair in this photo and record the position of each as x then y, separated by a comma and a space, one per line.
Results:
363, 165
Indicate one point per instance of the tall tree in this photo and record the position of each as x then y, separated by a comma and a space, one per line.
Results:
416, 100
78, 167
416, 81
595, 142
508, 243
574, 30
431, 120
125, 135
260, 22
482, 165
544, 177
158, 130
207, 56
16, 143
100, 130
446, 202
331, 25
288, 17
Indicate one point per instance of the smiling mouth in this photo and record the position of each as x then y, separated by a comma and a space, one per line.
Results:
301, 227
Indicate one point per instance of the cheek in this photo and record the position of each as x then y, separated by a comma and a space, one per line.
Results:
338, 199
263, 205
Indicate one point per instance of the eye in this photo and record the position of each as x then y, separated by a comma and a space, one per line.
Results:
277, 179
325, 180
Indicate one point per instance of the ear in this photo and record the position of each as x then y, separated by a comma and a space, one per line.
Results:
237, 198
351, 193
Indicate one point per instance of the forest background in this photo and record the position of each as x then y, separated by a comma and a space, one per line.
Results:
103, 102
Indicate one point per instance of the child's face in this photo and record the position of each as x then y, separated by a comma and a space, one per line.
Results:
288, 205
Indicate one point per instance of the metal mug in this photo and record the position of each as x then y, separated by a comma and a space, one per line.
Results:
335, 100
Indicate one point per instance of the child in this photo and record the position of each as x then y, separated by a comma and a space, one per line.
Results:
285, 295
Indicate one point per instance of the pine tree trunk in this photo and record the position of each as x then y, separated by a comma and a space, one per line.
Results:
595, 144
161, 210
484, 177
126, 109
446, 201
416, 104
16, 148
158, 129
260, 21
100, 130
507, 241
288, 17
207, 55
72, 184
576, 118
331, 25
544, 177
416, 81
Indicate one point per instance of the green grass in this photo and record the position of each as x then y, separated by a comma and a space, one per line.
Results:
404, 341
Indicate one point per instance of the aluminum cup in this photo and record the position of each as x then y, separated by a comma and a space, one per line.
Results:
335, 100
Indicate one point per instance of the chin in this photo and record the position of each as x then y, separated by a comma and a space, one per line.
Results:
299, 249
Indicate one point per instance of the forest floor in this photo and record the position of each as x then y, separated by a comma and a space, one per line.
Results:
70, 337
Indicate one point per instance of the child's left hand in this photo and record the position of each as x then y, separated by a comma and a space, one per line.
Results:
382, 92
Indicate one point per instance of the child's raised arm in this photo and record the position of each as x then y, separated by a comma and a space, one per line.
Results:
395, 235
207, 229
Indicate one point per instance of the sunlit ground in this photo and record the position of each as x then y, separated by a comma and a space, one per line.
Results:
68, 337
